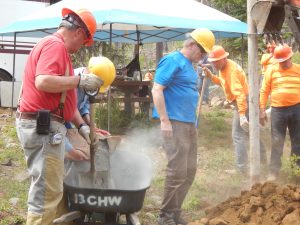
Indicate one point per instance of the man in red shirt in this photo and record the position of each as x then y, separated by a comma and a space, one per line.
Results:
48, 100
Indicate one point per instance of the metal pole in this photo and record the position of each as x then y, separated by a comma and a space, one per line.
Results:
14, 71
108, 94
242, 51
253, 97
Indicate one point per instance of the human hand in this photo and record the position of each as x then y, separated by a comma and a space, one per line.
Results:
166, 128
244, 123
85, 131
263, 117
76, 155
90, 82
207, 72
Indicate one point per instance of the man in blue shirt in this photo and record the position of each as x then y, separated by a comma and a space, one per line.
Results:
175, 97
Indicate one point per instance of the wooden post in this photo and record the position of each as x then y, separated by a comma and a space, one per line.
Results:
253, 77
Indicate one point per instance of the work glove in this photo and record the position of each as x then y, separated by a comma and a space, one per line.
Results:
85, 131
90, 82
244, 123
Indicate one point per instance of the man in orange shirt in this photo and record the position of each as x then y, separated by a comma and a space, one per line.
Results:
282, 82
233, 80
267, 58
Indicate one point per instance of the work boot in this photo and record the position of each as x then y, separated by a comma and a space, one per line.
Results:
166, 219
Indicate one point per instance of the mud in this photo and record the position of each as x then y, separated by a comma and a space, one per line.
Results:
264, 204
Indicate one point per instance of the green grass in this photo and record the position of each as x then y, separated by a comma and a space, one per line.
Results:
212, 184
9, 186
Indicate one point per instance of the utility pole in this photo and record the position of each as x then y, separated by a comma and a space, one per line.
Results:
253, 96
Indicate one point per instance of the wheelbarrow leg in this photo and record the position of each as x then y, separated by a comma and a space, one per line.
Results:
68, 217
133, 218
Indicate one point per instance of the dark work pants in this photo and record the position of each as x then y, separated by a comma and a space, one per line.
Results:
281, 119
181, 152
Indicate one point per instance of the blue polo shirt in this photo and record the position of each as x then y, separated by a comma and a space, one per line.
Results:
177, 74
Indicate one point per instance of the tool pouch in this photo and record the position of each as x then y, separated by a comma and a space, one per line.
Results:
43, 122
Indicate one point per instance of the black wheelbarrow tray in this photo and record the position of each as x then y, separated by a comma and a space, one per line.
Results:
129, 176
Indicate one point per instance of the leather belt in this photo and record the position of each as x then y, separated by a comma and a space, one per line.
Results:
33, 115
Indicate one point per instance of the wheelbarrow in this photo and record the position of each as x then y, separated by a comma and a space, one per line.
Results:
126, 175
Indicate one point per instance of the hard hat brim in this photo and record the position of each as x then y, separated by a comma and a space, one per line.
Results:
285, 58
219, 58
67, 11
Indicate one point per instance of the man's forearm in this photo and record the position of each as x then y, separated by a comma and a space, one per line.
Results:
56, 84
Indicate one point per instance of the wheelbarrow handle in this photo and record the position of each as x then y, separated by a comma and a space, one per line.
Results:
68, 217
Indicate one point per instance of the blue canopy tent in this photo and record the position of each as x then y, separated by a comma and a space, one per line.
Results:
133, 21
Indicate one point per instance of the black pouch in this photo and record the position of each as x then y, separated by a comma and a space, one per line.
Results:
43, 121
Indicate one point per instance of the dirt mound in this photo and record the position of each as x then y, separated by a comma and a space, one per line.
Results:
264, 204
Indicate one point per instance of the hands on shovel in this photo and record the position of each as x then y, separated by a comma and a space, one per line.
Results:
207, 72
85, 132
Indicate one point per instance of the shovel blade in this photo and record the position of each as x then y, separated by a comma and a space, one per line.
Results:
93, 180
113, 142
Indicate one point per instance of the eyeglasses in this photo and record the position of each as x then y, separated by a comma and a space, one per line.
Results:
71, 18
201, 48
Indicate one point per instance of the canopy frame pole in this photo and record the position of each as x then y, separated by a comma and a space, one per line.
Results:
14, 71
109, 92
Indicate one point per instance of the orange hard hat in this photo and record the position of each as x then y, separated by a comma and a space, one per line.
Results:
217, 53
282, 53
88, 20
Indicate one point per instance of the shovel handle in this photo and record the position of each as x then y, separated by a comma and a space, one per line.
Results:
92, 134
200, 101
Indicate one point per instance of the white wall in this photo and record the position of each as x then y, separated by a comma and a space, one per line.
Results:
11, 10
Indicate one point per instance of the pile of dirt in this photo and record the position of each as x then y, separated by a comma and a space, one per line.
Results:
264, 204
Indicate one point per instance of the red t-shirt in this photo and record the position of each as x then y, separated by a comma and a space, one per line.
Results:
48, 57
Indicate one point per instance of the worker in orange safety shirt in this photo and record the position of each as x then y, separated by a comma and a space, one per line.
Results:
233, 80
267, 59
282, 83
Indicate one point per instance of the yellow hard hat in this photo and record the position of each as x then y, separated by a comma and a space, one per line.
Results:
104, 69
204, 37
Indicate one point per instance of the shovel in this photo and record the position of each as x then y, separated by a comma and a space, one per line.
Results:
92, 178
200, 102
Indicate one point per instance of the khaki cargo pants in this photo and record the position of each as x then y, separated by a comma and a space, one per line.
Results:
45, 163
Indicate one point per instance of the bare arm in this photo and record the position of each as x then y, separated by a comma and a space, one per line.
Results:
160, 105
56, 84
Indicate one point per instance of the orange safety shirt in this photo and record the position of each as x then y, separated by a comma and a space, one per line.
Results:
234, 83
283, 85
266, 62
